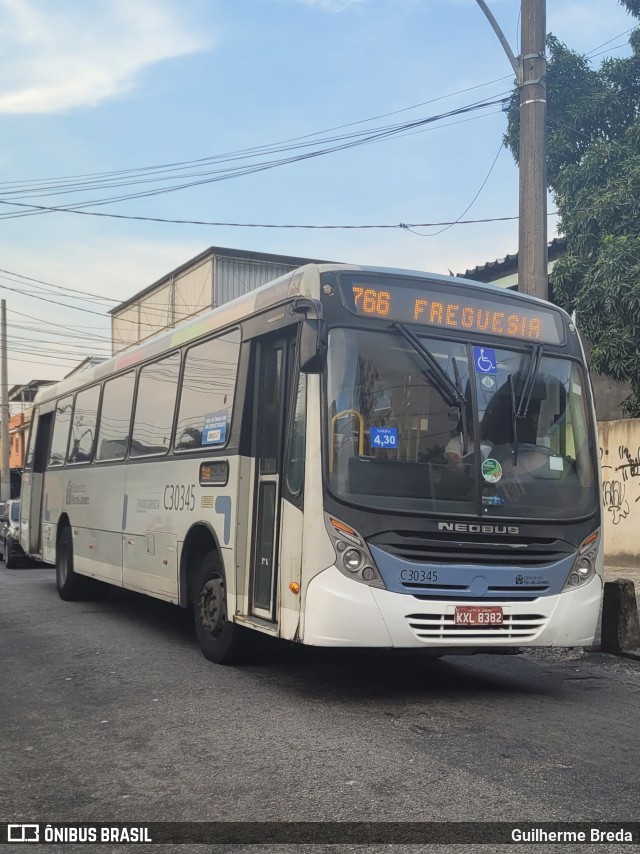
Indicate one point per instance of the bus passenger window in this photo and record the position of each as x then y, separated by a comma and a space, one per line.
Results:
61, 431
155, 405
83, 428
115, 417
206, 398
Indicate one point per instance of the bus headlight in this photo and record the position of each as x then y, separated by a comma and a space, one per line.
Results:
584, 567
353, 558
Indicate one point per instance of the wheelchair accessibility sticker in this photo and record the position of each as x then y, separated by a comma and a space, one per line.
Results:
484, 360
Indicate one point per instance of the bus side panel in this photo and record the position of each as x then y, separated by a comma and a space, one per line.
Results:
164, 499
243, 534
290, 569
53, 495
318, 553
151, 525
90, 496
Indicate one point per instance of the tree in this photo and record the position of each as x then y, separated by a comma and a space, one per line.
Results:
593, 166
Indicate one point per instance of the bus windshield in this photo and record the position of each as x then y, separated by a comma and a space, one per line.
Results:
517, 446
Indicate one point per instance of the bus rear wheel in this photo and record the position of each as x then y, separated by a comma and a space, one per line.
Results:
221, 640
70, 585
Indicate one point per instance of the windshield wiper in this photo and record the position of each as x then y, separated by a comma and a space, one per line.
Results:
463, 422
443, 381
452, 392
527, 388
519, 411
514, 419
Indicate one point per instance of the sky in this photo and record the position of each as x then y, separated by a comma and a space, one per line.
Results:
109, 86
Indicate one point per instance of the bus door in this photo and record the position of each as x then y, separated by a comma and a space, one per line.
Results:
274, 358
33, 482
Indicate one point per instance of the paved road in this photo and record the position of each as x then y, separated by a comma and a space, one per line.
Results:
109, 712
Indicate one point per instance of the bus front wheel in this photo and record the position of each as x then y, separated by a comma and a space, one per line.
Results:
221, 640
69, 584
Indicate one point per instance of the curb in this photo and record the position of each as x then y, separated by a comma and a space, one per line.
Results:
633, 654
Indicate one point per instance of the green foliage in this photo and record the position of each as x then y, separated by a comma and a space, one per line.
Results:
593, 167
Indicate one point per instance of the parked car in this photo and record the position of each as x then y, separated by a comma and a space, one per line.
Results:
10, 548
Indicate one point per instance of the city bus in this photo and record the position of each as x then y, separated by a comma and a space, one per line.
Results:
345, 457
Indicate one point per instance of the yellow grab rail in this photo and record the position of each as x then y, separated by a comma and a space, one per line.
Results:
345, 412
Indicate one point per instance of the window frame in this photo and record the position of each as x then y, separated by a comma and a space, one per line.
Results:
185, 355
62, 464
74, 463
139, 369
134, 371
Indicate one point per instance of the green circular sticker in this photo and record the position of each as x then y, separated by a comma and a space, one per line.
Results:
491, 470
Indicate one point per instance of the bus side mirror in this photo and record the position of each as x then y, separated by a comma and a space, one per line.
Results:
311, 347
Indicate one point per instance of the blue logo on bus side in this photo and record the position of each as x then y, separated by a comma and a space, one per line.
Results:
223, 507
484, 360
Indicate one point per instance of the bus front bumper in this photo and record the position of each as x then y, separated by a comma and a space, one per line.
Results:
342, 612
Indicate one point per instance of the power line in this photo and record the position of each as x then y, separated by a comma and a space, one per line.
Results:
619, 36
47, 323
348, 140
615, 47
53, 302
52, 285
370, 136
471, 203
247, 151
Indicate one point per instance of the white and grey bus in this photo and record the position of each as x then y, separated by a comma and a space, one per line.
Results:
346, 456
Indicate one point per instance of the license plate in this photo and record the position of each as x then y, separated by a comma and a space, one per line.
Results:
478, 615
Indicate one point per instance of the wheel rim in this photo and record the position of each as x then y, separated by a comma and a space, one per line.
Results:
211, 606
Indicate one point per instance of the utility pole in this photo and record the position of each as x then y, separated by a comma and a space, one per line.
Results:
533, 270
530, 68
5, 482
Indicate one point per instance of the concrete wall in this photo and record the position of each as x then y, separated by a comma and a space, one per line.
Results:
620, 460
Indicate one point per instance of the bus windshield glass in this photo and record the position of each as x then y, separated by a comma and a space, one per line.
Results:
398, 441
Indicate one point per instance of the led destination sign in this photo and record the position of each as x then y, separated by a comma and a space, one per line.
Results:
437, 306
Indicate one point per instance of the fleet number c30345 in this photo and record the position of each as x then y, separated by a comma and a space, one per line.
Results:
180, 496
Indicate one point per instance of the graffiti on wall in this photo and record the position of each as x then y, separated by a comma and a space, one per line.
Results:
631, 466
620, 461
617, 476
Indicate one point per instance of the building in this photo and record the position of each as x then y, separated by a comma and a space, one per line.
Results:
20, 396
89, 362
20, 400
504, 271
212, 278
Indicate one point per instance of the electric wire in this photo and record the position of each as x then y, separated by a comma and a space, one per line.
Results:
604, 44
369, 137
252, 150
471, 203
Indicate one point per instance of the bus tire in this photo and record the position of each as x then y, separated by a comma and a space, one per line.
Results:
221, 640
68, 582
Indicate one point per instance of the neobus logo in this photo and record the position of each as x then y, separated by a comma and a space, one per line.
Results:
464, 528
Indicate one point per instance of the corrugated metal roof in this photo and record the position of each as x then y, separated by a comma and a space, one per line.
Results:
509, 264
220, 252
